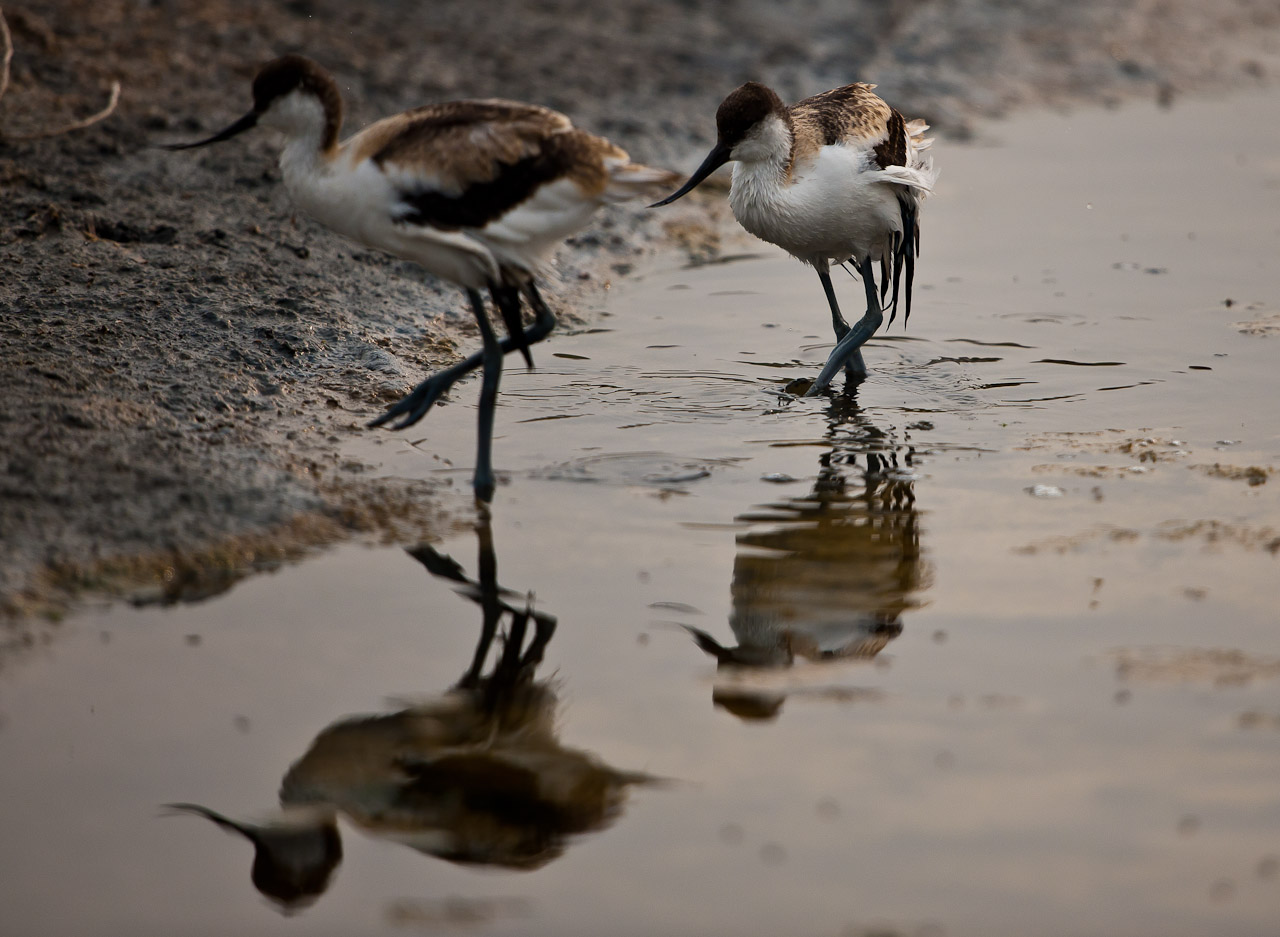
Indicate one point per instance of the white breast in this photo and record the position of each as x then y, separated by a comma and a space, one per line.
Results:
836, 205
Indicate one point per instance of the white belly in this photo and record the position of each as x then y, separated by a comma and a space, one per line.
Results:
834, 207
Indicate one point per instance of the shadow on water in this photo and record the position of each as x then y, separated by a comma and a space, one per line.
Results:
827, 576
475, 776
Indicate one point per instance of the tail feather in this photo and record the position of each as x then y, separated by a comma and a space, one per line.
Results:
897, 273
920, 177
906, 247
916, 130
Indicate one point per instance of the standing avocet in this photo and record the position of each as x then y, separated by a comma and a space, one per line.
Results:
479, 193
836, 178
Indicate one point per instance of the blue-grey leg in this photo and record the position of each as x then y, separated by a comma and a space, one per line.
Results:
490, 376
544, 319
423, 397
507, 299
857, 335
854, 368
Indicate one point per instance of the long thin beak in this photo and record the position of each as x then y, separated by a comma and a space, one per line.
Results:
715, 159
240, 126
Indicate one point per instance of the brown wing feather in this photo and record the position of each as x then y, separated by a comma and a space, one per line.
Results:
466, 163
462, 141
851, 113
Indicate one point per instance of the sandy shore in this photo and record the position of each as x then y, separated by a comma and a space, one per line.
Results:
182, 357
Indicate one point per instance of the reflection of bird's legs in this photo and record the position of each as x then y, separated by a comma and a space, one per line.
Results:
506, 671
488, 599
544, 626
486, 592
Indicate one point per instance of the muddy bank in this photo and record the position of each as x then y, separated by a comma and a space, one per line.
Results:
182, 356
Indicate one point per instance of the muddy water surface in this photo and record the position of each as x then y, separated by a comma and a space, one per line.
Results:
1001, 627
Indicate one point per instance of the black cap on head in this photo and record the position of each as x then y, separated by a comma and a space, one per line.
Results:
274, 80
745, 107
287, 73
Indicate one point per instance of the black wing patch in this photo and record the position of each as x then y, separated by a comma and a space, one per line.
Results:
483, 202
892, 151
540, 149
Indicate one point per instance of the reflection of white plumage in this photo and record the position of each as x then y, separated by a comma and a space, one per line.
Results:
479, 193
836, 178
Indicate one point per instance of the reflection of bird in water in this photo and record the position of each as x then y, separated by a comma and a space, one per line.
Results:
835, 178
828, 575
475, 775
479, 193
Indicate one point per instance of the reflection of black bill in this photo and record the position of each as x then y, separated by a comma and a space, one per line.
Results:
294, 855
748, 705
715, 159
240, 126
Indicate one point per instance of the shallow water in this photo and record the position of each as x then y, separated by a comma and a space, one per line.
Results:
1027, 574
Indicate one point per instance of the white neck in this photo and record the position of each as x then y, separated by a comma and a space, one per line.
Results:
762, 197
760, 164
301, 156
301, 118
768, 142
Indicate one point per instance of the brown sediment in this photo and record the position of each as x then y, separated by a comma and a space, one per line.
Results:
1210, 533
381, 511
1252, 475
1216, 666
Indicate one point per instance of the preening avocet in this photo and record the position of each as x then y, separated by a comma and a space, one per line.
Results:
836, 178
479, 193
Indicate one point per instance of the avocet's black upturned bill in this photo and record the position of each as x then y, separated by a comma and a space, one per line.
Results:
836, 178
479, 193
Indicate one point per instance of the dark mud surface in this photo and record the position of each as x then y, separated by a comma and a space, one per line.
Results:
183, 359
